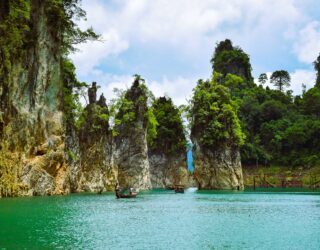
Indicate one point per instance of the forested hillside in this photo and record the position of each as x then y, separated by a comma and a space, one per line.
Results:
279, 128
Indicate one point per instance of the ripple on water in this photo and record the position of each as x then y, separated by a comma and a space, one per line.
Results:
163, 220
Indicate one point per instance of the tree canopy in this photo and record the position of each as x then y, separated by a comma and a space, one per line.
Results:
280, 79
263, 78
132, 107
279, 128
170, 137
65, 14
214, 120
317, 68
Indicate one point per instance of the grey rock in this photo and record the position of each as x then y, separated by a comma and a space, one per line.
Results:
131, 160
218, 169
166, 171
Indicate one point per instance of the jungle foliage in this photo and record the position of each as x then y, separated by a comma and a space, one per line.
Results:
63, 15
213, 113
134, 106
279, 128
170, 137
17, 34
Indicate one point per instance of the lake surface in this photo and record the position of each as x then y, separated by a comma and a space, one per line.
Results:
163, 220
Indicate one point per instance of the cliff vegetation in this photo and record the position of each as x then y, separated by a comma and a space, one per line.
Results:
50, 143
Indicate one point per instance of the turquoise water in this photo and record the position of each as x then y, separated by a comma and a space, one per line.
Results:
163, 220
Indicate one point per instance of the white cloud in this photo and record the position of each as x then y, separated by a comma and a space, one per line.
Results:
180, 88
91, 54
108, 82
190, 29
299, 76
193, 25
307, 46
190, 23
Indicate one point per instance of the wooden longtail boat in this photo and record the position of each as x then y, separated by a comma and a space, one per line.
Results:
179, 188
120, 194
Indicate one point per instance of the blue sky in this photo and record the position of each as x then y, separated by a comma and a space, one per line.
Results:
170, 42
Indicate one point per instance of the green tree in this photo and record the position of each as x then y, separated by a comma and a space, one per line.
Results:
133, 107
263, 78
304, 88
311, 102
233, 82
272, 110
316, 64
65, 14
213, 114
280, 79
279, 128
225, 45
17, 34
72, 92
170, 136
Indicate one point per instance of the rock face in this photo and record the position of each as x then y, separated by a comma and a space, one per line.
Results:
229, 59
40, 152
216, 136
131, 154
93, 168
218, 169
166, 171
131, 159
167, 151
31, 124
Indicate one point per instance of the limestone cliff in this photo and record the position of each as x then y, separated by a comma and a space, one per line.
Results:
216, 135
91, 156
229, 59
45, 148
131, 153
31, 124
217, 169
167, 151
166, 171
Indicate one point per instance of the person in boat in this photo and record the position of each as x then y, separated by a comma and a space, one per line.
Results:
117, 188
131, 191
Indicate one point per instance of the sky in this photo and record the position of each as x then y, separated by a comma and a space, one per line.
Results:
170, 42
